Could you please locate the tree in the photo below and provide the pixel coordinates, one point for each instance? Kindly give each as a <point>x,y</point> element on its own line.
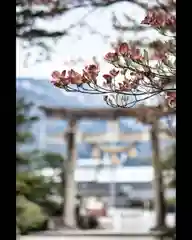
<point>33,190</point>
<point>27,192</point>
<point>137,74</point>
<point>23,122</point>
<point>30,12</point>
<point>58,164</point>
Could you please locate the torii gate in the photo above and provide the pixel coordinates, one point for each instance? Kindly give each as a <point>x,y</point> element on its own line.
<point>149,115</point>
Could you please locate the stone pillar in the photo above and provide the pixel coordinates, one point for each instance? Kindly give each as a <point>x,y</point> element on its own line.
<point>70,185</point>
<point>158,180</point>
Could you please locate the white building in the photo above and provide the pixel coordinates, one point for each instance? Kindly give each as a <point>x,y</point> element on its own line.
<point>94,180</point>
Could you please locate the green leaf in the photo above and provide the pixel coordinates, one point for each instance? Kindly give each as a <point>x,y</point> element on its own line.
<point>170,64</point>
<point>128,62</point>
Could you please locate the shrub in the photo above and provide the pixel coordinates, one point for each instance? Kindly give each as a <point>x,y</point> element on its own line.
<point>29,216</point>
<point>17,230</point>
<point>52,208</point>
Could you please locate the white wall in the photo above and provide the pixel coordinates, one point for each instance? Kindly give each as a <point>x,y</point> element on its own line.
<point>120,174</point>
<point>106,175</point>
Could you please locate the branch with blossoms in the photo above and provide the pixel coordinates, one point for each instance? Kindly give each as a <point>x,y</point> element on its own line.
<point>137,74</point>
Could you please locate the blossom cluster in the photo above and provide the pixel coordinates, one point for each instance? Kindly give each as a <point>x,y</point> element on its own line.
<point>65,78</point>
<point>131,63</point>
<point>159,18</point>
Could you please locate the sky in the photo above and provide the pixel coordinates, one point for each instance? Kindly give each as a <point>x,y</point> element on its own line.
<point>80,43</point>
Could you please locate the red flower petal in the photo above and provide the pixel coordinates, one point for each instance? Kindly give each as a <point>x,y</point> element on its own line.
<point>63,73</point>
<point>114,72</point>
<point>171,95</point>
<point>77,80</point>
<point>53,81</point>
<point>72,73</point>
<point>55,74</point>
<point>92,68</point>
<point>108,78</point>
<point>123,49</point>
<point>111,57</point>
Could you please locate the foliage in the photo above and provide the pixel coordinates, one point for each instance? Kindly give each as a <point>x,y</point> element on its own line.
<point>39,191</point>
<point>29,12</point>
<point>29,216</point>
<point>33,190</point>
<point>23,121</point>
<point>137,74</point>
<point>53,160</point>
<point>33,187</point>
<point>53,207</point>
<point>32,16</point>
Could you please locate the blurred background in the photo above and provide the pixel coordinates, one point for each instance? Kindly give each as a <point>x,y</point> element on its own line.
<point>57,35</point>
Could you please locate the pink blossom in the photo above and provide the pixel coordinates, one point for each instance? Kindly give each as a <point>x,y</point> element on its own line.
<point>111,57</point>
<point>136,54</point>
<point>75,77</point>
<point>60,79</point>
<point>159,55</point>
<point>114,72</point>
<point>90,73</point>
<point>108,78</point>
<point>123,49</point>
<point>159,18</point>
<point>171,99</point>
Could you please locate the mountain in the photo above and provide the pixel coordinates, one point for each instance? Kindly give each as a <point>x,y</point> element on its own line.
<point>43,93</point>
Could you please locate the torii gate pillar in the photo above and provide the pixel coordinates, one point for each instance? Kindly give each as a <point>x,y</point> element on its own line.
<point>158,179</point>
<point>70,185</point>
